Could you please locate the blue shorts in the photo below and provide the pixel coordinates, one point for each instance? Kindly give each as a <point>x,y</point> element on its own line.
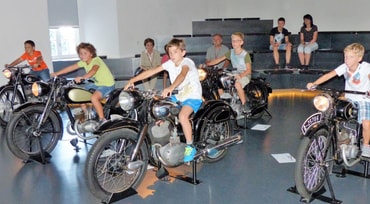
<point>363,110</point>
<point>281,47</point>
<point>104,90</point>
<point>193,103</point>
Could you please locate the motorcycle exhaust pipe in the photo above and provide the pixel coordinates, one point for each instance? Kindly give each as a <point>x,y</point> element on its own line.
<point>134,165</point>
<point>343,148</point>
<point>222,145</point>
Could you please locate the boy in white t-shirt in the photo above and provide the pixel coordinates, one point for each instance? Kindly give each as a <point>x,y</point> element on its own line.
<point>184,76</point>
<point>357,78</point>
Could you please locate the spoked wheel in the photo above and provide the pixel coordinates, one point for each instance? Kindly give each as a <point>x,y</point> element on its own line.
<point>216,132</point>
<point>314,156</point>
<point>22,134</point>
<point>9,100</point>
<point>107,165</point>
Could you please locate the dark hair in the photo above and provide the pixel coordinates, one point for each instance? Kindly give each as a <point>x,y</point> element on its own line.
<point>30,42</point>
<point>165,49</point>
<point>281,19</point>
<point>217,34</point>
<point>88,47</point>
<point>309,17</point>
<point>148,40</point>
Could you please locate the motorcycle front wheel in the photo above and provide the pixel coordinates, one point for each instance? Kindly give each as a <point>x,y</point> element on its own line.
<point>22,134</point>
<point>216,132</point>
<point>313,159</point>
<point>8,104</point>
<point>106,167</point>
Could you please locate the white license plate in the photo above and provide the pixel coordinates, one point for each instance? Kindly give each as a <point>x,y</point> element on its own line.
<point>310,121</point>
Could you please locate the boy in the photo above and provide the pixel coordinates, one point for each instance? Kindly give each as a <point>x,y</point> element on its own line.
<point>241,60</point>
<point>279,40</point>
<point>357,78</point>
<point>183,76</point>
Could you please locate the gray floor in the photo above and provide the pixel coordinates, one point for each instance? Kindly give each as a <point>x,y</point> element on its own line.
<point>248,174</point>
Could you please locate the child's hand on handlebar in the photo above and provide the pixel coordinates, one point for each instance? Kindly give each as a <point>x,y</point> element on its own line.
<point>311,86</point>
<point>167,92</point>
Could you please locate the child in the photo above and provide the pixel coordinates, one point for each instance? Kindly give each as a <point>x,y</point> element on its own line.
<point>279,40</point>
<point>357,78</point>
<point>34,59</point>
<point>241,60</point>
<point>95,68</point>
<point>183,76</point>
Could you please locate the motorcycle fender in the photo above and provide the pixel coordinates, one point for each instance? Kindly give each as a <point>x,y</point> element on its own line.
<point>215,110</point>
<point>115,124</point>
<point>310,132</point>
<point>25,105</point>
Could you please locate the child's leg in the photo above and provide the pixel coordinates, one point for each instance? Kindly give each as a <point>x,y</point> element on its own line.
<point>240,91</point>
<point>95,100</point>
<point>185,123</point>
<point>366,132</point>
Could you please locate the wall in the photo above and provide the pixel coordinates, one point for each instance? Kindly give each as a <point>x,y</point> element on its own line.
<point>20,21</point>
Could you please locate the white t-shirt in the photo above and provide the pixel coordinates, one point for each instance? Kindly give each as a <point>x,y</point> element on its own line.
<point>190,88</point>
<point>357,81</point>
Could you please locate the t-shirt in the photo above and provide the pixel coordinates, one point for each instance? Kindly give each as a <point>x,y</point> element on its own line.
<point>103,77</point>
<point>279,36</point>
<point>190,88</point>
<point>357,81</point>
<point>32,60</point>
<point>308,35</point>
<point>239,61</point>
<point>213,53</point>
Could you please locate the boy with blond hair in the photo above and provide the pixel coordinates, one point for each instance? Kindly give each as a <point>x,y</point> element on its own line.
<point>357,78</point>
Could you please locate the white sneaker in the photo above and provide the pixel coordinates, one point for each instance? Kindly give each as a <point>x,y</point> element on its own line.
<point>365,151</point>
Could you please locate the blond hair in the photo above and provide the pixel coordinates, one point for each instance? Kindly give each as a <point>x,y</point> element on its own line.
<point>356,48</point>
<point>239,34</point>
<point>176,43</point>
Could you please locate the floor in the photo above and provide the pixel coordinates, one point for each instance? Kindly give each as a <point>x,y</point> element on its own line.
<point>248,174</point>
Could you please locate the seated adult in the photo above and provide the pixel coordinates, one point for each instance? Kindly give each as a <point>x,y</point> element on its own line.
<point>279,40</point>
<point>217,50</point>
<point>308,36</point>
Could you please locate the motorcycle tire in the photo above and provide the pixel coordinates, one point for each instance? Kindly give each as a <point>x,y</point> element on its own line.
<point>6,107</point>
<point>19,132</point>
<point>106,168</point>
<point>257,99</point>
<point>313,155</point>
<point>216,132</point>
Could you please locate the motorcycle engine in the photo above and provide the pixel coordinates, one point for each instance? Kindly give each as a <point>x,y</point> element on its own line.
<point>166,145</point>
<point>347,138</point>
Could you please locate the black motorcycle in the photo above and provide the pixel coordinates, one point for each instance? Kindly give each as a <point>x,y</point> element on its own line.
<point>118,160</point>
<point>16,92</point>
<point>332,136</point>
<point>36,127</point>
<point>256,92</point>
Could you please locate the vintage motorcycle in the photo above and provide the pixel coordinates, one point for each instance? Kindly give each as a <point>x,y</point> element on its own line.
<point>36,127</point>
<point>332,136</point>
<point>16,92</point>
<point>118,160</point>
<point>257,91</point>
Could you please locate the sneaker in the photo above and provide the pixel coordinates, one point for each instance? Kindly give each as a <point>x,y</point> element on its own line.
<point>288,66</point>
<point>276,66</point>
<point>189,153</point>
<point>246,108</point>
<point>365,151</point>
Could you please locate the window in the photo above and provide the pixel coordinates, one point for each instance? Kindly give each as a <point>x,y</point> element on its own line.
<point>63,42</point>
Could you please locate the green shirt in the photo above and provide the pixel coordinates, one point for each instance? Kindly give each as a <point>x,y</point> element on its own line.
<point>103,77</point>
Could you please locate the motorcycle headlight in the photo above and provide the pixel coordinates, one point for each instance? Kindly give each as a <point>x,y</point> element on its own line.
<point>322,102</point>
<point>129,100</point>
<point>40,88</point>
<point>202,74</point>
<point>7,73</point>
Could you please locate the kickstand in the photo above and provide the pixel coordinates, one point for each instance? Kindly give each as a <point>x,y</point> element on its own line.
<point>192,180</point>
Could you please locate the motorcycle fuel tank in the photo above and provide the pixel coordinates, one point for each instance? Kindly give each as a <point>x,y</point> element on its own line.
<point>78,95</point>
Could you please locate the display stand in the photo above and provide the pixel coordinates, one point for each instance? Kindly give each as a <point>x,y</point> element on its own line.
<point>365,174</point>
<point>192,180</point>
<point>43,157</point>
<point>119,196</point>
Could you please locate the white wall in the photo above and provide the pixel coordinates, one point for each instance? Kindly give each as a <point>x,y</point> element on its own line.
<point>20,21</point>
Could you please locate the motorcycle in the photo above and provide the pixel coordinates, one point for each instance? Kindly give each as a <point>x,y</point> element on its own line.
<point>16,92</point>
<point>118,160</point>
<point>332,136</point>
<point>257,91</point>
<point>36,127</point>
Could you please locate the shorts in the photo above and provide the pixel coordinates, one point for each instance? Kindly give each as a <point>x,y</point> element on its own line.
<point>244,80</point>
<point>307,48</point>
<point>193,103</point>
<point>104,90</point>
<point>281,47</point>
<point>363,110</point>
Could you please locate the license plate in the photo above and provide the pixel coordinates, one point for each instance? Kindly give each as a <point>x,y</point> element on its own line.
<point>310,121</point>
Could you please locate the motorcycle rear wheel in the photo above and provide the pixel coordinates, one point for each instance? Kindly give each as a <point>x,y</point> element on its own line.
<point>6,106</point>
<point>314,155</point>
<point>257,98</point>
<point>19,132</point>
<point>216,132</point>
<point>106,167</point>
